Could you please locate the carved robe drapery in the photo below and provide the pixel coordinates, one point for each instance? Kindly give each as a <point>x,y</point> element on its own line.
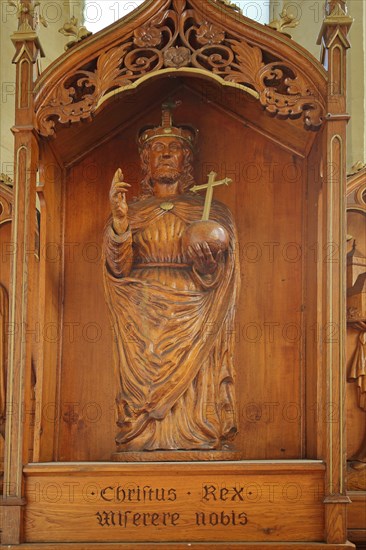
<point>172,326</point>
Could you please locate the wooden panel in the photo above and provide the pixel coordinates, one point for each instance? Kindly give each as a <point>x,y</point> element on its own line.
<point>357,510</point>
<point>317,256</point>
<point>266,200</point>
<point>166,502</point>
<point>49,323</point>
<point>249,110</point>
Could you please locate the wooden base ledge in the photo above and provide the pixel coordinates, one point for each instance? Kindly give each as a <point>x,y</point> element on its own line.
<point>183,546</point>
<point>175,456</point>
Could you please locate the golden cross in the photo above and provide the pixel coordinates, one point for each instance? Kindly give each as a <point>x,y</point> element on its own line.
<point>209,193</point>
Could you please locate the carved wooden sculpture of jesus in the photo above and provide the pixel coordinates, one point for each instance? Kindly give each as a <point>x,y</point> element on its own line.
<point>171,293</point>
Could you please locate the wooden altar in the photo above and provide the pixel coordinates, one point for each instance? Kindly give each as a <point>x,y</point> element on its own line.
<point>271,118</point>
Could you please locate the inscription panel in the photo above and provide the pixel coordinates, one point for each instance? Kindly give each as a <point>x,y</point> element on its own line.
<point>174,502</point>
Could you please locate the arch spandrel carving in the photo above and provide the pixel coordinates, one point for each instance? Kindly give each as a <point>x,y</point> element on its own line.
<point>180,37</point>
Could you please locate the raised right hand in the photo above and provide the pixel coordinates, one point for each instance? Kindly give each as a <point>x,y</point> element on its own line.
<point>119,207</point>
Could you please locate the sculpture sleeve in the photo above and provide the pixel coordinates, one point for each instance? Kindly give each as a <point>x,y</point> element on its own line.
<point>118,252</point>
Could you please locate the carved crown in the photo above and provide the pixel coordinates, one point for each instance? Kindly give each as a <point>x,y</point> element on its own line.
<point>168,129</point>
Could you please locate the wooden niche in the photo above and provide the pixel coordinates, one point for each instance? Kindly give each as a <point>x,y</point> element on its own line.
<point>260,104</point>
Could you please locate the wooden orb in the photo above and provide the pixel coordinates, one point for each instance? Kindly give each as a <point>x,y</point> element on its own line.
<point>208,231</point>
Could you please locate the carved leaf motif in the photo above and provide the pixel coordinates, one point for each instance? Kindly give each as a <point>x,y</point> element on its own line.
<point>179,5</point>
<point>56,109</point>
<point>108,73</point>
<point>73,102</point>
<point>288,97</point>
<point>249,60</point>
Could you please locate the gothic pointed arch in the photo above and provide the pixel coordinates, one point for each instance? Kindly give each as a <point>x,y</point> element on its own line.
<point>182,37</point>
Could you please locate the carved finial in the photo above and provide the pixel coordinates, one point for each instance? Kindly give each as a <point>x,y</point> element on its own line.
<point>231,5</point>
<point>336,23</point>
<point>335,7</point>
<point>72,28</point>
<point>28,14</point>
<point>4,178</point>
<point>285,20</point>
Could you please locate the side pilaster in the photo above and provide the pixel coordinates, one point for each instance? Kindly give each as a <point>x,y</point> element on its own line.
<point>28,49</point>
<point>334,42</point>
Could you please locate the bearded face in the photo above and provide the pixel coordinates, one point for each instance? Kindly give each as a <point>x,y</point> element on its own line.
<point>166,167</point>
<point>166,160</point>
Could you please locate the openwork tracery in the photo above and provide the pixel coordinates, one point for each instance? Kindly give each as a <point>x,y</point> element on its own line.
<point>181,38</point>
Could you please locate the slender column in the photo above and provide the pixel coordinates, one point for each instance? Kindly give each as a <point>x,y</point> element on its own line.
<point>334,42</point>
<point>28,49</point>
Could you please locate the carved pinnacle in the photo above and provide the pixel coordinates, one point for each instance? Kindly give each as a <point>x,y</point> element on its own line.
<point>27,12</point>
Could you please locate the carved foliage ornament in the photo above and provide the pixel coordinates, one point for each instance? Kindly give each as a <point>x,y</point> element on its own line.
<point>178,38</point>
<point>72,28</point>
<point>28,14</point>
<point>284,21</point>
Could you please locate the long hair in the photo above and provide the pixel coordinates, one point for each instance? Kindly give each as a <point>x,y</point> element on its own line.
<point>185,181</point>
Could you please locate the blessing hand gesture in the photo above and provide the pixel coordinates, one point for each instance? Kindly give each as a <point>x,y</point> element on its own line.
<point>119,207</point>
